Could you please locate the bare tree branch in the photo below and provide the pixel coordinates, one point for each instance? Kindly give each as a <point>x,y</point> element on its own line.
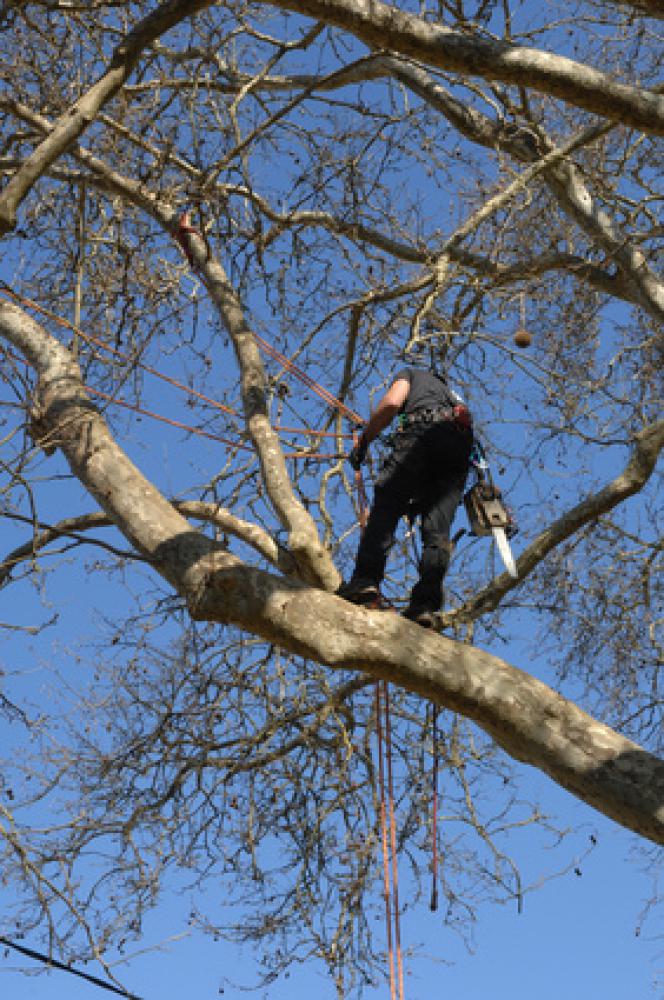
<point>384,26</point>
<point>643,8</point>
<point>199,510</point>
<point>79,116</point>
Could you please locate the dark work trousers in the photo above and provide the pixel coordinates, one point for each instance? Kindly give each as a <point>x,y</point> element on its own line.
<point>424,474</point>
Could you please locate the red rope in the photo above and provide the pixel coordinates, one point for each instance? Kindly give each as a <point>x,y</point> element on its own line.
<point>383,831</point>
<point>311,383</point>
<point>310,456</point>
<point>393,835</point>
<point>97,342</point>
<point>166,420</point>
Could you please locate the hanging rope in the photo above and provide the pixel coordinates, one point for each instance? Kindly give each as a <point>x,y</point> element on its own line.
<point>393,834</point>
<point>384,839</point>
<point>386,798</point>
<point>434,809</point>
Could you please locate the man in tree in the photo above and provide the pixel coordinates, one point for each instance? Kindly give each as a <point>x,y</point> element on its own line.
<point>353,181</point>
<point>424,475</point>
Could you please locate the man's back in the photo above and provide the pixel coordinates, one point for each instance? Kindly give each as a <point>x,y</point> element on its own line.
<point>427,391</point>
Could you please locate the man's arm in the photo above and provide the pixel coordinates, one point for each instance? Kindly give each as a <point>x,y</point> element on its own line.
<point>383,415</point>
<point>387,409</point>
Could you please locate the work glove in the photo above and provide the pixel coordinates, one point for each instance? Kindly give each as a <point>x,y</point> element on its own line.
<point>358,453</point>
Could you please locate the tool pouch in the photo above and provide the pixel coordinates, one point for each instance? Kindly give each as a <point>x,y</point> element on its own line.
<point>461,417</point>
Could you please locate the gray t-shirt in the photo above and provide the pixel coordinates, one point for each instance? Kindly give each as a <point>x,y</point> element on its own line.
<point>427,391</point>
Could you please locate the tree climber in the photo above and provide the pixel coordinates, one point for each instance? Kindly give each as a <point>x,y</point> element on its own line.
<point>424,475</point>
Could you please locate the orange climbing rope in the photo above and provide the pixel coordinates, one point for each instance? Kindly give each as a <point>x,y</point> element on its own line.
<point>166,420</point>
<point>393,834</point>
<point>97,342</point>
<point>115,401</point>
<point>316,387</point>
<point>384,840</point>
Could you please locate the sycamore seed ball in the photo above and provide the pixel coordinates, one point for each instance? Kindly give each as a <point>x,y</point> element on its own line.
<point>522,337</point>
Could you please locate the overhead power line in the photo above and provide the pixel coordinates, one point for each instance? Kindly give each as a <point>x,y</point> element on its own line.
<point>55,964</point>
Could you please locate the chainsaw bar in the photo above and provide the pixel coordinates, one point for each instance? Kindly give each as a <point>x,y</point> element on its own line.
<point>505,551</point>
<point>488,515</point>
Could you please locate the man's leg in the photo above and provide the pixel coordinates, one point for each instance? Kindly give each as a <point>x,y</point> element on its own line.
<point>374,547</point>
<point>391,497</point>
<point>437,513</point>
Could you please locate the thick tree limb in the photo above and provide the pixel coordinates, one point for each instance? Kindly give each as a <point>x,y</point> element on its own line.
<point>314,561</point>
<point>251,534</point>
<point>529,720</point>
<point>384,26</point>
<point>79,116</point>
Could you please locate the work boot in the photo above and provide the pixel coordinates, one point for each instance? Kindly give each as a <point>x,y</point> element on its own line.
<point>421,616</point>
<point>359,591</point>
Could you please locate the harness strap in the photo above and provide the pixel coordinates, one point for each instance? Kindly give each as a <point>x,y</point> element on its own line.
<point>459,415</point>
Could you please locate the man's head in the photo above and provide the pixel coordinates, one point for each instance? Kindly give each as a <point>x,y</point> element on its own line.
<point>427,354</point>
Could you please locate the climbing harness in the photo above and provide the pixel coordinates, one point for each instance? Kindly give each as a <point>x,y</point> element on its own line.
<point>459,415</point>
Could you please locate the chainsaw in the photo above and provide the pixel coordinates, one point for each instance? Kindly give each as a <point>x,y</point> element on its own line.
<point>488,515</point>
